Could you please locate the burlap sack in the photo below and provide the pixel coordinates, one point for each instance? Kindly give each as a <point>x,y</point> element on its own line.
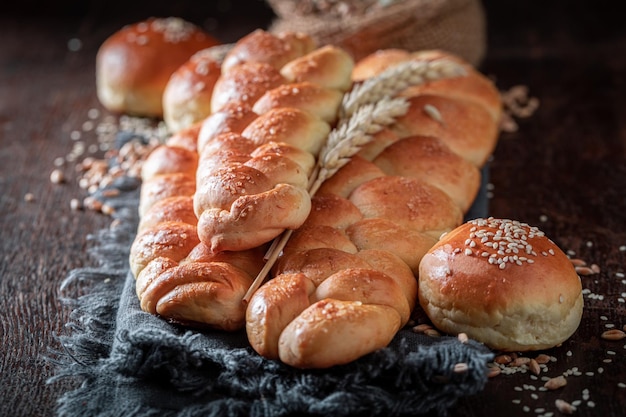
<point>365,26</point>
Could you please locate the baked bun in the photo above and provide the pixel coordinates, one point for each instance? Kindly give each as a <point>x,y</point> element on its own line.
<point>134,64</point>
<point>503,283</point>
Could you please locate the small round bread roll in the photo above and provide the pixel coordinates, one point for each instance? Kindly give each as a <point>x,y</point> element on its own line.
<point>134,64</point>
<point>503,283</point>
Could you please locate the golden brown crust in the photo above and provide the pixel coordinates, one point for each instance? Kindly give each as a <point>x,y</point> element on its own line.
<point>359,284</point>
<point>173,242</point>
<point>307,96</point>
<point>328,67</point>
<point>317,264</point>
<point>291,126</point>
<point>408,202</point>
<point>260,46</point>
<point>464,126</point>
<point>188,92</point>
<point>245,83</point>
<point>186,138</point>
<point>377,62</point>
<point>174,209</point>
<point>356,172</point>
<point>472,86</point>
<point>282,300</point>
<point>135,63</point>
<point>234,117</point>
<point>358,329</point>
<point>384,234</point>
<point>319,236</point>
<point>245,200</point>
<point>437,165</point>
<point>166,159</point>
<point>183,292</point>
<point>503,283</point>
<point>164,186</point>
<point>332,210</point>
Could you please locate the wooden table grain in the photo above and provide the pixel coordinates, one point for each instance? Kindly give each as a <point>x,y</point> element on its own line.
<point>563,170</point>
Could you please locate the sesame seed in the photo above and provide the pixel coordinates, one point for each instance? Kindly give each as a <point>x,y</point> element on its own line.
<point>57,177</point>
<point>506,237</point>
<point>74,44</point>
<point>93,113</point>
<point>75,204</point>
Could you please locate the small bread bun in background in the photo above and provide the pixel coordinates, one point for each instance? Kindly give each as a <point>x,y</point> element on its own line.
<point>134,64</point>
<point>503,283</point>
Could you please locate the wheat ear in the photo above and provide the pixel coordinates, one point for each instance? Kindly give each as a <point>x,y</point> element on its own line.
<point>395,79</point>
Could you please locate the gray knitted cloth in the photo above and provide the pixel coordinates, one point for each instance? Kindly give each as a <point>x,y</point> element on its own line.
<point>129,363</point>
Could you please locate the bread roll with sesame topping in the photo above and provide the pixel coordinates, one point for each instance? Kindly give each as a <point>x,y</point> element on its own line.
<point>134,65</point>
<point>503,283</point>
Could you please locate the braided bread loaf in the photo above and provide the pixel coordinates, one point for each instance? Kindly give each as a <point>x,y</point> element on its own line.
<point>221,188</point>
<point>346,281</point>
<point>256,187</point>
<point>176,276</point>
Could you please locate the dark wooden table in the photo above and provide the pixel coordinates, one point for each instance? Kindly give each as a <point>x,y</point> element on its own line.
<point>564,170</point>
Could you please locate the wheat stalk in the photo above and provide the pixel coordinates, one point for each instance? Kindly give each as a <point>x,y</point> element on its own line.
<point>348,139</point>
<point>395,79</point>
<point>365,111</point>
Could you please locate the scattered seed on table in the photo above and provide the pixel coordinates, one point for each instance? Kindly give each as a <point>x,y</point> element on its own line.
<point>556,383</point>
<point>564,407</point>
<point>57,177</point>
